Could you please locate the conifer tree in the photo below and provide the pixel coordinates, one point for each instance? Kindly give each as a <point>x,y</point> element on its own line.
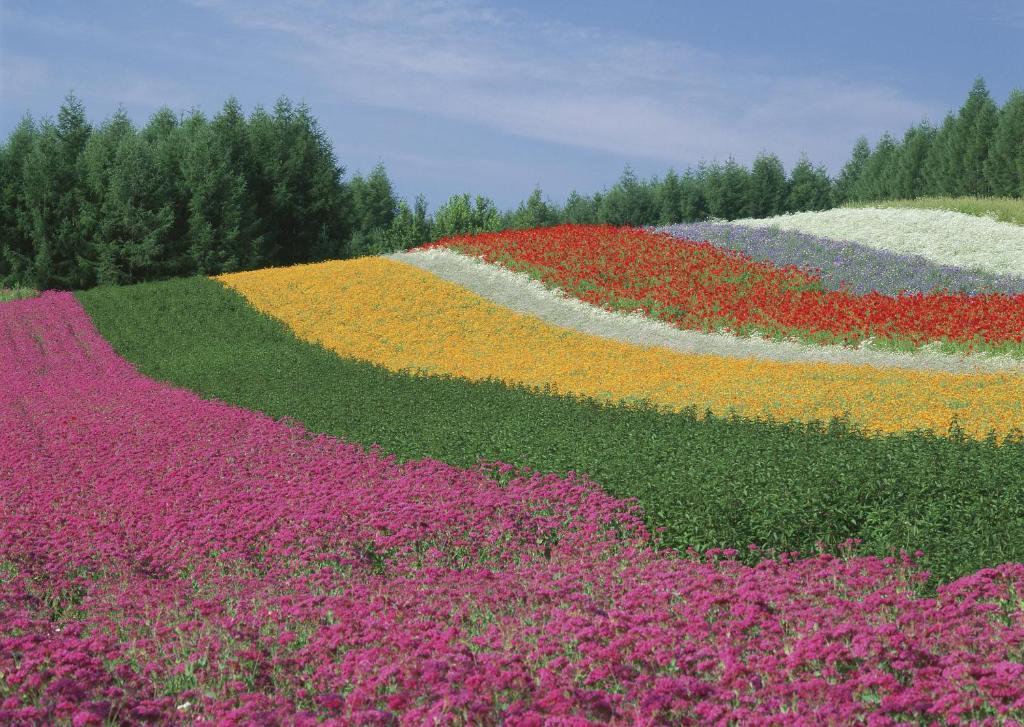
<point>630,201</point>
<point>847,189</point>
<point>460,215</point>
<point>878,179</point>
<point>978,120</point>
<point>909,180</point>
<point>728,190</point>
<point>166,142</point>
<point>938,165</point>
<point>579,209</point>
<point>52,200</point>
<point>534,212</point>
<point>767,186</point>
<point>1005,160</point>
<point>693,206</point>
<point>668,198</point>
<point>809,187</point>
<point>15,242</point>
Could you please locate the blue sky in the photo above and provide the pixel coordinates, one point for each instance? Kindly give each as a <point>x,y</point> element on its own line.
<point>496,97</point>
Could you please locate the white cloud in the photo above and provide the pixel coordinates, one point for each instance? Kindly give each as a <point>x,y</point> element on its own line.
<point>21,76</point>
<point>574,85</point>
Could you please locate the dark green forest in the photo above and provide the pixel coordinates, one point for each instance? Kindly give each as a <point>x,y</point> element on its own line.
<point>84,205</point>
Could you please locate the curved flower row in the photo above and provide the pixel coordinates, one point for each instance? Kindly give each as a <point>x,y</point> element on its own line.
<point>699,286</point>
<point>524,294</point>
<point>168,559</point>
<point>847,265</point>
<point>403,318</point>
<point>943,236</point>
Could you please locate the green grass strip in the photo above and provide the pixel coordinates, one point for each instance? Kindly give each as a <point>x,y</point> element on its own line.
<point>708,481</point>
<point>17,293</point>
<point>1004,209</point>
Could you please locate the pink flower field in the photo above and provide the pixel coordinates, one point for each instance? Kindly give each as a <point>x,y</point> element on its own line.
<point>166,559</point>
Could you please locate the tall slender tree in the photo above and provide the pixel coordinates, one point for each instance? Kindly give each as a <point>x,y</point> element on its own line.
<point>847,189</point>
<point>809,187</point>
<point>938,166</point>
<point>1005,160</point>
<point>668,198</point>
<point>909,177</point>
<point>768,186</point>
<point>52,179</point>
<point>728,190</point>
<point>968,145</point>
<point>15,241</point>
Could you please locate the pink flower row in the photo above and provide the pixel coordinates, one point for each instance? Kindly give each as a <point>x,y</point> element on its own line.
<point>165,558</point>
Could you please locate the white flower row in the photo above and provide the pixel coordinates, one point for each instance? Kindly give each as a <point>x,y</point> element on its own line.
<point>946,237</point>
<point>523,294</point>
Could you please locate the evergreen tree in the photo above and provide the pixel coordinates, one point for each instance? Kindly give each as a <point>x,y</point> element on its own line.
<point>878,178</point>
<point>295,181</point>
<point>166,141</point>
<point>461,216</point>
<point>976,126</point>
<point>728,190</point>
<point>629,202</point>
<point>1005,159</point>
<point>938,165</point>
<point>809,188</point>
<point>99,162</point>
<point>534,212</point>
<point>136,222</point>
<point>909,179</point>
<point>847,189</point>
<point>693,205</point>
<point>52,200</point>
<point>668,197</point>
<point>579,210</point>
<point>15,243</point>
<point>219,210</point>
<point>767,186</point>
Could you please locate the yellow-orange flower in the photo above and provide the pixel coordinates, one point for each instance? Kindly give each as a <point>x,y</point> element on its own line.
<point>404,318</point>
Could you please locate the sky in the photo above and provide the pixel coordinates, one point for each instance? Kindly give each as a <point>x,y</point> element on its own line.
<point>497,98</point>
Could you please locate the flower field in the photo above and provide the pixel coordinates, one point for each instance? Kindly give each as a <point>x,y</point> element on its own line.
<point>518,478</point>
<point>844,264</point>
<point>700,286</point>
<point>428,325</point>
<point>943,236</point>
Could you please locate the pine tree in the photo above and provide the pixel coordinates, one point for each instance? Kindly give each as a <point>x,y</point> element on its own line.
<point>52,200</point>
<point>668,198</point>
<point>1006,155</point>
<point>767,186</point>
<point>99,159</point>
<point>847,189</point>
<point>166,141</point>
<point>909,181</point>
<point>629,202</point>
<point>15,243</point>
<point>809,187</point>
<point>579,209</point>
<point>728,190</point>
<point>461,216</point>
<point>534,212</point>
<point>937,170</point>
<point>978,120</point>
<point>693,204</point>
<point>878,178</point>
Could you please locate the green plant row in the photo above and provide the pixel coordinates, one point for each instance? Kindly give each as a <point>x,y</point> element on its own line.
<point>708,481</point>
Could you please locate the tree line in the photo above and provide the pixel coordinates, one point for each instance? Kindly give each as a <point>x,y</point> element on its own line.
<point>84,205</point>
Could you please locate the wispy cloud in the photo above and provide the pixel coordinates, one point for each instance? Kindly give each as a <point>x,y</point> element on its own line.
<point>20,75</point>
<point>574,85</point>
